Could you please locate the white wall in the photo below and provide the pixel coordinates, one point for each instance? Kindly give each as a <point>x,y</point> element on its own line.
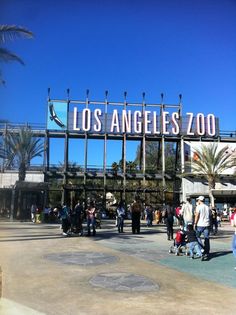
<point>9,178</point>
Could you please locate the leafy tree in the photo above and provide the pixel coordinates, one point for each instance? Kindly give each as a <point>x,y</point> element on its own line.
<point>18,148</point>
<point>154,153</point>
<point>211,162</point>
<point>11,32</point>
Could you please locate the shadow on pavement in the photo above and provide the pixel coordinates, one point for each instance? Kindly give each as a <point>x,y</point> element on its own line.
<point>219,254</point>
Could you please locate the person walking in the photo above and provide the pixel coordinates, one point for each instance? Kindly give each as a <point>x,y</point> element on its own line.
<point>214,223</point>
<point>179,214</point>
<point>78,211</point>
<point>120,217</point>
<point>64,214</point>
<point>202,225</point>
<point>136,210</point>
<point>169,221</point>
<point>33,211</point>
<point>187,212</point>
<point>91,221</point>
<point>149,215</point>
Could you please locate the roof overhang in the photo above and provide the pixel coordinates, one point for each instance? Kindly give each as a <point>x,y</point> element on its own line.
<point>224,192</point>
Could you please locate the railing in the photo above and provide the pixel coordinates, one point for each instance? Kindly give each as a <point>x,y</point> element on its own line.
<point>94,169</point>
<point>40,128</point>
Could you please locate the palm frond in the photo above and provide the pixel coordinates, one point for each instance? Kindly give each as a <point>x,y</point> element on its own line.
<point>212,161</point>
<point>20,148</point>
<point>6,56</point>
<point>11,32</point>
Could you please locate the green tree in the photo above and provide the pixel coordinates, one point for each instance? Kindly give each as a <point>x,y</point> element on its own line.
<point>11,32</point>
<point>154,154</point>
<point>211,162</point>
<point>18,148</point>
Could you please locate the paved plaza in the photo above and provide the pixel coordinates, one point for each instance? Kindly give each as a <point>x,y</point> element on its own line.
<point>112,273</point>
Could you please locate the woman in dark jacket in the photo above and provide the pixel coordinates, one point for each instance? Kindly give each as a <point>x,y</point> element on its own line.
<point>169,221</point>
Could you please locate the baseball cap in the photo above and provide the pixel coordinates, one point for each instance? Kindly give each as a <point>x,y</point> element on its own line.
<point>201,198</point>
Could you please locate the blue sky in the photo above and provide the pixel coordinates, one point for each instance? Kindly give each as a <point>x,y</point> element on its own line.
<point>162,46</point>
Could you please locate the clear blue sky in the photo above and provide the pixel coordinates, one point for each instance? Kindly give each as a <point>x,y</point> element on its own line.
<point>169,46</point>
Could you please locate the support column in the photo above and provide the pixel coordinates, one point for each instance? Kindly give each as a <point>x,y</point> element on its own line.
<point>163,168</point>
<point>124,153</point>
<point>183,197</point>
<point>105,153</point>
<point>66,149</point>
<point>86,151</point>
<point>144,144</point>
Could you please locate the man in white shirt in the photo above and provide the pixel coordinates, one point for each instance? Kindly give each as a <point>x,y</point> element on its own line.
<point>202,225</point>
<point>187,212</point>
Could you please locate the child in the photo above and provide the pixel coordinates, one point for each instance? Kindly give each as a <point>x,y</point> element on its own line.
<point>192,241</point>
<point>179,241</point>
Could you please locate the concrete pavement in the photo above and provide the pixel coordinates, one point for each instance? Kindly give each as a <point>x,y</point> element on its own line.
<point>45,273</point>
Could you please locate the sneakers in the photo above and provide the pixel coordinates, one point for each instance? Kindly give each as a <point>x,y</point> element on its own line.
<point>65,234</point>
<point>205,257</point>
<point>198,256</point>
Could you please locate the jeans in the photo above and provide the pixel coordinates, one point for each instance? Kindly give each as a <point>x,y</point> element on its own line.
<point>194,246</point>
<point>234,245</point>
<point>149,220</point>
<point>65,223</point>
<point>136,222</point>
<point>170,230</point>
<point>205,231</point>
<point>91,221</point>
<point>214,224</point>
<point>120,223</point>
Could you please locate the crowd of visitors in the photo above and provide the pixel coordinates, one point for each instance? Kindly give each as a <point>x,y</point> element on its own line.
<point>196,223</point>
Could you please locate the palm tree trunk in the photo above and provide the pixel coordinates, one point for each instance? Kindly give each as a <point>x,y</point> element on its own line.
<point>211,186</point>
<point>22,171</point>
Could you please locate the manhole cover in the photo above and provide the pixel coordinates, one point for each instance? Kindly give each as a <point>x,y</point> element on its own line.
<point>124,282</point>
<point>83,258</point>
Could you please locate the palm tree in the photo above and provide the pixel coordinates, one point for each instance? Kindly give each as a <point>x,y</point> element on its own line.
<point>211,162</point>
<point>19,148</point>
<point>11,32</point>
<point>131,166</point>
<point>115,168</point>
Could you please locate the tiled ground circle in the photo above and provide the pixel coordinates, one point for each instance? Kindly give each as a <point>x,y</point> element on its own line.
<point>82,258</point>
<point>127,282</point>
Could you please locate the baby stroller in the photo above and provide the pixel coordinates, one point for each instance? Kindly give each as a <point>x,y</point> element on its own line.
<point>179,246</point>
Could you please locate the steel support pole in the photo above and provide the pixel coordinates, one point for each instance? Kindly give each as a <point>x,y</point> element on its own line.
<point>66,149</point>
<point>144,146</point>
<point>163,167</point>
<point>183,197</point>
<point>105,153</point>
<point>124,152</point>
<point>86,151</point>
